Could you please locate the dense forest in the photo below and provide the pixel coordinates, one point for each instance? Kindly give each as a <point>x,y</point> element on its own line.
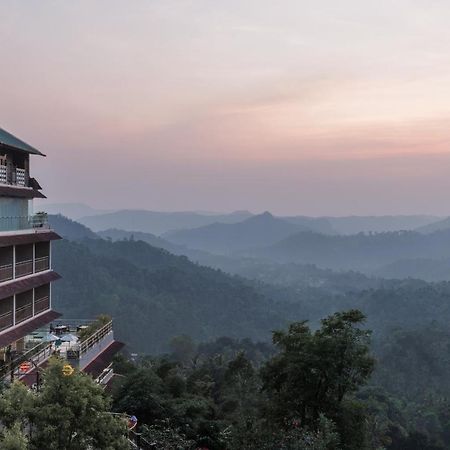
<point>211,371</point>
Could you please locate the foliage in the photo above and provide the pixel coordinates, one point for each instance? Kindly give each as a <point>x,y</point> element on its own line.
<point>69,412</point>
<point>301,398</point>
<point>98,323</point>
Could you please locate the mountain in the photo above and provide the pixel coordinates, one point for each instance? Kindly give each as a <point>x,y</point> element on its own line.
<point>361,252</point>
<point>224,238</point>
<point>69,229</point>
<point>158,222</point>
<point>71,210</point>
<point>378,224</point>
<point>154,295</point>
<point>439,225</point>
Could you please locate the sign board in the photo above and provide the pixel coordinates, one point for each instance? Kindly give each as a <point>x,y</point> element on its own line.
<point>67,370</point>
<point>25,367</point>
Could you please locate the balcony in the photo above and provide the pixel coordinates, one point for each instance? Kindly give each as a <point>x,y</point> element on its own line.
<point>15,176</point>
<point>6,272</point>
<point>37,221</point>
<point>41,304</point>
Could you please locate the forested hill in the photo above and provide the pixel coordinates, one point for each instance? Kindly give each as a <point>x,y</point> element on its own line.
<point>70,229</point>
<point>154,295</point>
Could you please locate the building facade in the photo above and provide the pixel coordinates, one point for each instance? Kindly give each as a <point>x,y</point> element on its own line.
<point>26,278</point>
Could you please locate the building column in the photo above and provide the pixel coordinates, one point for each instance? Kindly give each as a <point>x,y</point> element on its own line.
<point>14,310</point>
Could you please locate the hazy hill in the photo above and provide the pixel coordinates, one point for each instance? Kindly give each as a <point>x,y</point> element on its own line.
<point>263,229</point>
<point>439,225</point>
<point>154,295</point>
<point>378,224</point>
<point>158,222</point>
<point>361,252</point>
<point>69,229</point>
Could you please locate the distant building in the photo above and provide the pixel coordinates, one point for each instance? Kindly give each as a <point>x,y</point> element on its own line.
<point>26,276</point>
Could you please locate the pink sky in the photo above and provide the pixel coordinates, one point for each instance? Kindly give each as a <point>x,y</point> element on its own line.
<point>299,107</point>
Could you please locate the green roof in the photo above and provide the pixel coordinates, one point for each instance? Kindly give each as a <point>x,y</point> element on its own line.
<point>11,141</point>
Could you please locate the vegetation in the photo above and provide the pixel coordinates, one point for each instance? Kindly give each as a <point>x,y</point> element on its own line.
<point>69,412</point>
<point>301,397</point>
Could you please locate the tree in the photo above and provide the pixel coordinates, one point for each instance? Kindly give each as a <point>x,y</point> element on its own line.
<point>314,371</point>
<point>70,412</point>
<point>14,439</point>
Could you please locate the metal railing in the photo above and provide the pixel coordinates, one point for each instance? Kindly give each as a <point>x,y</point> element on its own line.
<point>6,320</point>
<point>34,353</point>
<point>105,376</point>
<point>41,264</point>
<point>6,272</point>
<point>95,338</point>
<point>24,268</point>
<point>24,222</point>
<point>24,312</point>
<point>41,304</point>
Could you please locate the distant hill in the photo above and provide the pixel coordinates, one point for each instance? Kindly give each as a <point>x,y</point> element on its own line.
<point>361,252</point>
<point>69,229</point>
<point>158,222</point>
<point>153,295</point>
<point>378,224</point>
<point>222,238</point>
<point>439,225</point>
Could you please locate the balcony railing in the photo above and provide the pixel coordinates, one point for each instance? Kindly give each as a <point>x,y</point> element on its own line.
<point>24,268</point>
<point>13,176</point>
<point>6,272</point>
<point>6,320</point>
<point>95,338</point>
<point>3,174</point>
<point>20,177</point>
<point>41,304</point>
<point>24,312</point>
<point>23,222</point>
<point>41,264</point>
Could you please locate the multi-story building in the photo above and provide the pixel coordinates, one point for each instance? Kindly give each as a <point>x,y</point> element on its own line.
<point>26,278</point>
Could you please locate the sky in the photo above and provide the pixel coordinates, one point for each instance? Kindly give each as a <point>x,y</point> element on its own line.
<point>293,106</point>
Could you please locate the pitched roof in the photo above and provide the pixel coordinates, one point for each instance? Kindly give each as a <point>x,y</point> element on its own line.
<point>9,140</point>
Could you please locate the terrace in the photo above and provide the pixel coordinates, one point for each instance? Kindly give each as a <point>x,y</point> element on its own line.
<point>80,342</point>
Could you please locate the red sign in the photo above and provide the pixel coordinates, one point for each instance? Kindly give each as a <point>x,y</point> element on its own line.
<point>25,367</point>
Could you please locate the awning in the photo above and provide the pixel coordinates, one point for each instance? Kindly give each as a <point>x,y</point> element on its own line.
<point>7,190</point>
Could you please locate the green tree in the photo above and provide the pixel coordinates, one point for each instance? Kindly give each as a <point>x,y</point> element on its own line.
<point>14,439</point>
<point>315,371</point>
<point>72,412</point>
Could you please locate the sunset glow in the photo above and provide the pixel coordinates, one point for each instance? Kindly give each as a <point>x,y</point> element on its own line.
<point>233,105</point>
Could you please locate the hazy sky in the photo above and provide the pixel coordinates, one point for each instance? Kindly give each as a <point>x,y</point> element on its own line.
<point>310,107</point>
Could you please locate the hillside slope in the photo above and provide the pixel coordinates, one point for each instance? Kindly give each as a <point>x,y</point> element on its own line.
<point>154,295</point>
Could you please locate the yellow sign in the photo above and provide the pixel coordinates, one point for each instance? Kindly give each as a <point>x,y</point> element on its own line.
<point>67,370</point>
